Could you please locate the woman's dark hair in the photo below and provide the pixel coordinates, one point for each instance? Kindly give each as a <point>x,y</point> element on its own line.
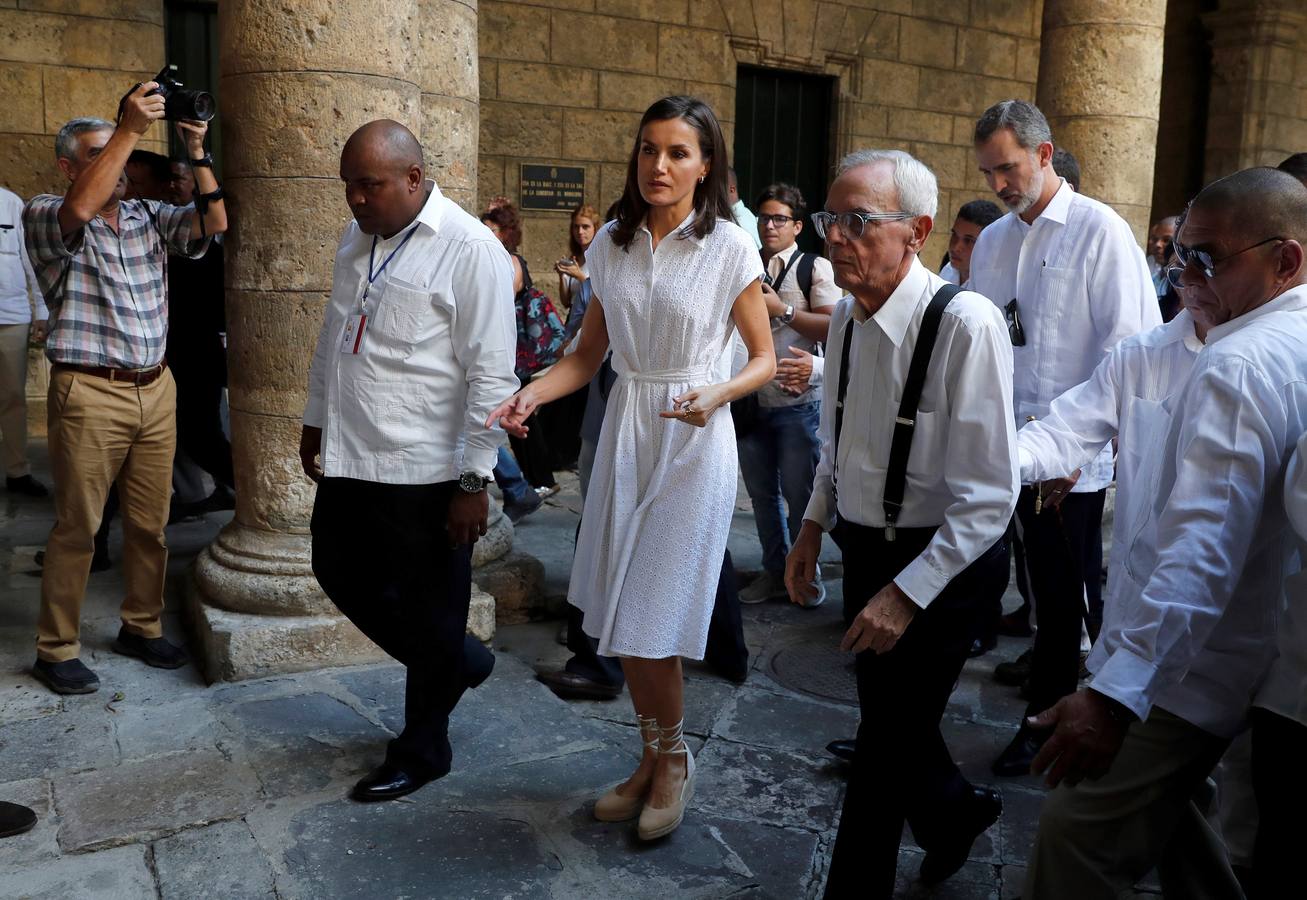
<point>710,198</point>
<point>786,194</point>
<point>509,222</point>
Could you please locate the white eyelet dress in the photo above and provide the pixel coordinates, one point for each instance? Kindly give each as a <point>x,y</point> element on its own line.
<point>662,492</point>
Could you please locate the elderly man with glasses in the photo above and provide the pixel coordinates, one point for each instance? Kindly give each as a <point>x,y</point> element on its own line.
<point>917,481</point>
<point>1176,668</point>
<point>1072,283</point>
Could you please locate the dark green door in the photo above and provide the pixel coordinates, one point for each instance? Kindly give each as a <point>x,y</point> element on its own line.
<point>191,36</point>
<point>783,133</point>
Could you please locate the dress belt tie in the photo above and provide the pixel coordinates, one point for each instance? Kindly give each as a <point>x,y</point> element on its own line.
<point>667,376</point>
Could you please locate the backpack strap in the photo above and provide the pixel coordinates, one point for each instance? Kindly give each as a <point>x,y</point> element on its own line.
<point>905,422</point>
<point>803,274</point>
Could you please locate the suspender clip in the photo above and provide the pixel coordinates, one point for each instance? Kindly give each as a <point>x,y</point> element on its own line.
<point>889,533</point>
<point>902,421</point>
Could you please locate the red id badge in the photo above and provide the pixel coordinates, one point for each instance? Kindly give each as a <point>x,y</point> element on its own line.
<point>351,341</point>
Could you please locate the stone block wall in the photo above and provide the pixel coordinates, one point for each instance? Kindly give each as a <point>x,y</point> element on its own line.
<point>65,58</point>
<point>565,81</point>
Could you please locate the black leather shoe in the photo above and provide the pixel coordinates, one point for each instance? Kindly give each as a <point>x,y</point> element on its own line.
<point>1016,758</point>
<point>950,854</point>
<point>158,652</point>
<point>843,750</point>
<point>731,671</point>
<point>15,819</point>
<point>982,645</point>
<point>68,677</point>
<point>27,486</point>
<point>386,782</point>
<point>1015,671</point>
<point>571,686</point>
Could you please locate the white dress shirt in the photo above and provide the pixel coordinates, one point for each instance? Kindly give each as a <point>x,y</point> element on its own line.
<point>823,295</point>
<point>1285,689</point>
<point>436,358</point>
<point>1081,286</point>
<point>950,273</point>
<point>1214,550</point>
<point>19,290</point>
<point>962,469</point>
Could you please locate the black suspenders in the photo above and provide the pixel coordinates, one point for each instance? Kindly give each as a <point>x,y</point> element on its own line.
<point>896,474</point>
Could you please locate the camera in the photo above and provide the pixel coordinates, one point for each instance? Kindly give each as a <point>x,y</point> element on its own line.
<point>180,103</point>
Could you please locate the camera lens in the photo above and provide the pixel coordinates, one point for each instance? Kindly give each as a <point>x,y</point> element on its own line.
<point>196,105</point>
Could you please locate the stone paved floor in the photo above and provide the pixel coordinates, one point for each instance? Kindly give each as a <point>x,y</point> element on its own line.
<point>161,786</point>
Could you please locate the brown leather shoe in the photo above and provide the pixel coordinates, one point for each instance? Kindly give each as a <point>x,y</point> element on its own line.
<point>571,686</point>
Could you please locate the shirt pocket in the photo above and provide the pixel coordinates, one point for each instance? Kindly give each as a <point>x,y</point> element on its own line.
<point>387,416</point>
<point>926,455</point>
<point>403,318</point>
<point>1063,315</point>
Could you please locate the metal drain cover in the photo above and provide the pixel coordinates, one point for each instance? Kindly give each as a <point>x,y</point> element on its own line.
<point>818,668</point>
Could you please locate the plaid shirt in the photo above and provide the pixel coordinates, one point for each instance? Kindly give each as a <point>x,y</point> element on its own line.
<point>107,292</point>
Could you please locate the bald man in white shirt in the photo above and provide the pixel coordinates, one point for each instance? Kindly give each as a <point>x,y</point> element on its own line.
<point>1177,667</point>
<point>416,349</point>
<point>1071,281</point>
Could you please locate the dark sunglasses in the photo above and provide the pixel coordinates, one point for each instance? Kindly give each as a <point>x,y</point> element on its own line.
<point>1187,256</point>
<point>1015,329</point>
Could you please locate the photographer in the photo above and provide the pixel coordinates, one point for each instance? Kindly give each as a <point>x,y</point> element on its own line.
<point>101,263</point>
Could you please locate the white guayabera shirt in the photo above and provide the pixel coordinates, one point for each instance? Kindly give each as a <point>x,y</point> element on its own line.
<point>1200,637</point>
<point>436,355</point>
<point>1081,286</point>
<point>1285,689</point>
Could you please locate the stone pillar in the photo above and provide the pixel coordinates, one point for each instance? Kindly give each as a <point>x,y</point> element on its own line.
<point>1252,118</point>
<point>1100,83</point>
<point>296,80</point>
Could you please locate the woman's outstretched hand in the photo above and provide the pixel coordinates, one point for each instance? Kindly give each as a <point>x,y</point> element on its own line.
<point>696,406</point>
<point>511,415</point>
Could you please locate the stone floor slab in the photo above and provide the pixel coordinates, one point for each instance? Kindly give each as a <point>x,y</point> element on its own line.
<point>39,844</point>
<point>222,859</point>
<point>81,737</point>
<point>784,721</point>
<point>151,798</point>
<point>301,744</point>
<point>119,874</point>
<point>774,787</point>
<point>345,849</point>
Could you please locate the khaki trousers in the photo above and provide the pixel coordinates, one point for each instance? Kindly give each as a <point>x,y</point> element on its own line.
<point>1097,839</point>
<point>104,431</point>
<point>13,399</point>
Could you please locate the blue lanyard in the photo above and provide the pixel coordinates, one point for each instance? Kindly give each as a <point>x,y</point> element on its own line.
<point>374,275</point>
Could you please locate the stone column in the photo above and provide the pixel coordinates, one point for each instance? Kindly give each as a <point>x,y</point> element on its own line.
<point>296,80</point>
<point>1100,84</point>
<point>1252,119</point>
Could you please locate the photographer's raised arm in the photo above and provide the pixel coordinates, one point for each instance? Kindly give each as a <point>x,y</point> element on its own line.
<point>95,185</point>
<point>215,211</point>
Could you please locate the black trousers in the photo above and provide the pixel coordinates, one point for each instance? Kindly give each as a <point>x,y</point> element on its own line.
<point>199,415</point>
<point>1280,783</point>
<point>381,553</point>
<point>532,453</point>
<point>1064,558</point>
<point>903,770</point>
<point>726,650</point>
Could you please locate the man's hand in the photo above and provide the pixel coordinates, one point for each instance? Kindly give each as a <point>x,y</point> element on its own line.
<point>40,331</point>
<point>775,305</point>
<point>1056,490</point>
<point>881,623</point>
<point>467,516</point>
<point>192,135</point>
<point>140,111</point>
<point>310,448</point>
<point>795,374</point>
<point>801,564</point>
<point>1086,739</point>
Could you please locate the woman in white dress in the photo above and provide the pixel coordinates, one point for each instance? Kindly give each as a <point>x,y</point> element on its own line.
<point>672,278</point>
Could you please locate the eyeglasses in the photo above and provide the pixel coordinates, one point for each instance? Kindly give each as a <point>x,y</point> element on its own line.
<point>776,221</point>
<point>1188,256</point>
<point>852,223</point>
<point>1014,328</point>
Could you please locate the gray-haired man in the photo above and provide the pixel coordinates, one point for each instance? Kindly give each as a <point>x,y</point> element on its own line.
<point>1071,281</point>
<point>916,482</point>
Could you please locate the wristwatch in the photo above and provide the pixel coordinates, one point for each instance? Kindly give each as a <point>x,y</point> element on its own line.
<point>204,162</point>
<point>472,483</point>
<point>788,316</point>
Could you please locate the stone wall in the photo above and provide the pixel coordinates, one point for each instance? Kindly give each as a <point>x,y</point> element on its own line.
<point>565,81</point>
<point>65,58</point>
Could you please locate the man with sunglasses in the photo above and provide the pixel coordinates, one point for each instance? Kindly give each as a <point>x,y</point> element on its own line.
<point>1072,283</point>
<point>1176,668</point>
<point>917,482</point>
